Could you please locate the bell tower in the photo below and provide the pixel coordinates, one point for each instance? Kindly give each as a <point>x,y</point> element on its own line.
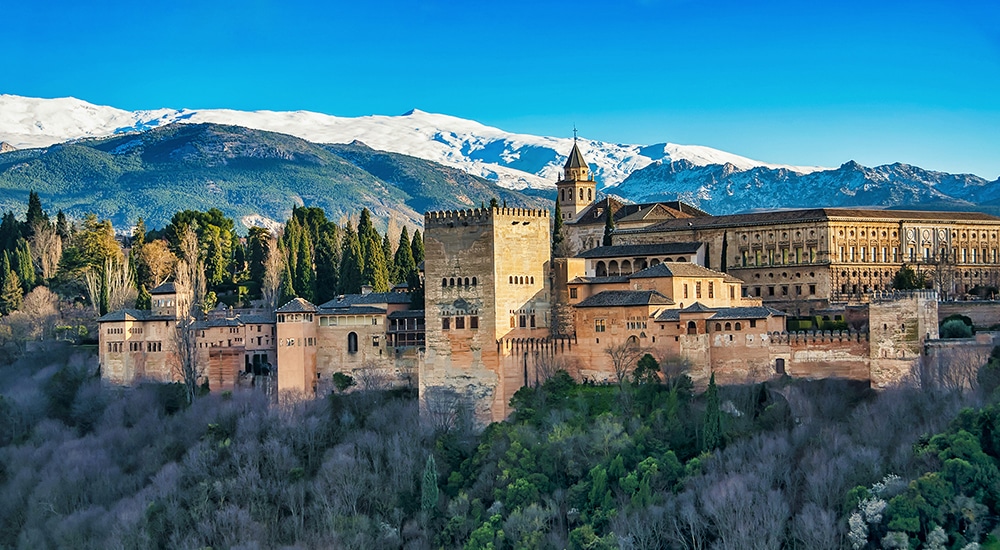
<point>576,189</point>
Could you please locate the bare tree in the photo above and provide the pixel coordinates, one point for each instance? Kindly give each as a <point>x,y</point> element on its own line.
<point>190,283</point>
<point>274,263</point>
<point>441,407</point>
<point>624,357</point>
<point>373,376</point>
<point>46,248</point>
<point>118,276</point>
<point>952,369</point>
<point>159,262</point>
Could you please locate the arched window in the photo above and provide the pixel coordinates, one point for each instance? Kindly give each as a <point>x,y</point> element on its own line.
<point>444,282</point>
<point>532,281</point>
<point>739,326</point>
<point>602,270</point>
<point>613,268</point>
<point>520,280</point>
<point>474,281</point>
<point>654,262</point>
<point>352,342</point>
<point>692,327</point>
<point>590,194</point>
<point>718,327</point>
<point>729,326</point>
<point>626,267</point>
<point>451,282</point>
<point>510,279</point>
<point>581,193</point>
<point>466,281</point>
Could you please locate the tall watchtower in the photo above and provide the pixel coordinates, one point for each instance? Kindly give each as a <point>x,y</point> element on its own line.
<point>577,188</point>
<point>486,279</point>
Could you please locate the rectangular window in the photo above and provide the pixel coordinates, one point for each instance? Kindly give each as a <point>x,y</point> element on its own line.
<point>374,341</point>
<point>474,322</point>
<point>598,325</point>
<point>770,291</point>
<point>732,292</point>
<point>756,291</point>
<point>798,255</point>
<point>798,290</point>
<point>459,323</point>
<point>685,291</point>
<point>784,291</point>
<point>697,290</point>
<point>513,323</point>
<point>753,323</point>
<point>572,292</point>
<point>711,289</point>
<point>522,321</point>
<point>446,323</point>
<point>532,321</point>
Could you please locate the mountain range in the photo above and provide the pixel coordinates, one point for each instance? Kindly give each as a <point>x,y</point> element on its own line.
<point>714,180</point>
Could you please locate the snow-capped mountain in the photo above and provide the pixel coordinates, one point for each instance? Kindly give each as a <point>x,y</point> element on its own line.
<point>514,161</point>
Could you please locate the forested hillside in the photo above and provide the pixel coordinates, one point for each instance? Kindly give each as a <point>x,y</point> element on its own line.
<point>644,464</point>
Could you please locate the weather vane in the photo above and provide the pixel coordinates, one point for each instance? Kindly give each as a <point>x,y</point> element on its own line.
<point>574,132</point>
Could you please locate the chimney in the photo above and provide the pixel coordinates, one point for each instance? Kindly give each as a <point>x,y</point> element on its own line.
<point>366,289</point>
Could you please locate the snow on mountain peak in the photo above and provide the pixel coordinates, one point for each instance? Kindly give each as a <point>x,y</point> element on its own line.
<point>512,160</point>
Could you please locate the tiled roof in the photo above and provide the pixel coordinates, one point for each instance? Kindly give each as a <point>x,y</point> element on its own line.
<point>721,314</point>
<point>600,280</point>
<point>352,310</point>
<point>165,288</point>
<point>297,305</point>
<point>593,214</point>
<point>634,250</point>
<point>618,298</point>
<point>681,269</point>
<point>810,214</point>
<point>346,300</point>
<point>407,314</point>
<point>124,315</point>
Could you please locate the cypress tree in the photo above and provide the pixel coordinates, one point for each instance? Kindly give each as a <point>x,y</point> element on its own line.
<point>10,232</point>
<point>374,271</point>
<point>144,300</point>
<point>139,234</point>
<point>62,226</point>
<point>257,239</point>
<point>388,259</point>
<point>609,225</point>
<point>557,236</point>
<point>429,486</point>
<point>305,276</point>
<point>11,294</point>
<point>25,268</point>
<point>417,248</point>
<point>287,289</point>
<point>713,417</point>
<point>327,265</point>
<point>494,203</point>
<point>35,214</point>
<point>351,263</point>
<point>403,265</point>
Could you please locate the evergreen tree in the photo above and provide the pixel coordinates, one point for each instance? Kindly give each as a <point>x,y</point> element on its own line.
<point>305,277</point>
<point>10,232</point>
<point>327,264</point>
<point>257,239</point>
<point>712,430</point>
<point>417,248</point>
<point>139,234</point>
<point>351,263</point>
<point>11,294</point>
<point>403,265</point>
<point>35,214</point>
<point>388,259</point>
<point>62,226</point>
<point>494,203</point>
<point>557,232</point>
<point>609,225</point>
<point>24,267</point>
<point>429,486</point>
<point>287,289</point>
<point>144,300</point>
<point>374,271</point>
<point>215,256</point>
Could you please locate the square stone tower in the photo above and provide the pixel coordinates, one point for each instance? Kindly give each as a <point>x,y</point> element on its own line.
<point>486,279</point>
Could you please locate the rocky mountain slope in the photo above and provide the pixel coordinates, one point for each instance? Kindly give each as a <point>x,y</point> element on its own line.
<point>248,174</point>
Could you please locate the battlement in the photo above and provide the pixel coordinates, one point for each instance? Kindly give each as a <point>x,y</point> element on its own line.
<point>479,216</point>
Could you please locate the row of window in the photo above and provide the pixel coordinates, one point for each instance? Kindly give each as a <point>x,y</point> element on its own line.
<point>779,257</point>
<point>711,290</point>
<point>116,331</point>
<point>567,194</point>
<point>446,322</point>
<point>520,280</point>
<point>522,321</point>
<point>783,290</point>
<point>295,317</point>
<point>445,282</point>
<point>348,321</point>
<point>298,342</point>
<point>117,347</point>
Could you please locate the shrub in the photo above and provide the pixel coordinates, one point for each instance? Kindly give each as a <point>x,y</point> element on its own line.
<point>955,328</point>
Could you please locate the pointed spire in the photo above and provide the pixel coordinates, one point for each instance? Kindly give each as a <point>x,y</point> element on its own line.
<point>575,159</point>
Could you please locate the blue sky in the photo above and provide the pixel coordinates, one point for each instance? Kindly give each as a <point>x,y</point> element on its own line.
<point>796,82</point>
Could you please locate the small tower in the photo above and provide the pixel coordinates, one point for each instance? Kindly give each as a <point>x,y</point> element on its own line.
<point>577,188</point>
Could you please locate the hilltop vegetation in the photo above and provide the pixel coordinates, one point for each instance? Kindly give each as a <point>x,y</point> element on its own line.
<point>237,170</point>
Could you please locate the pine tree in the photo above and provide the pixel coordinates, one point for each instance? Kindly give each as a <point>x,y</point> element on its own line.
<point>351,263</point>
<point>609,225</point>
<point>417,248</point>
<point>429,486</point>
<point>557,232</point>
<point>139,234</point>
<point>10,232</point>
<point>11,294</point>
<point>712,430</point>
<point>144,300</point>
